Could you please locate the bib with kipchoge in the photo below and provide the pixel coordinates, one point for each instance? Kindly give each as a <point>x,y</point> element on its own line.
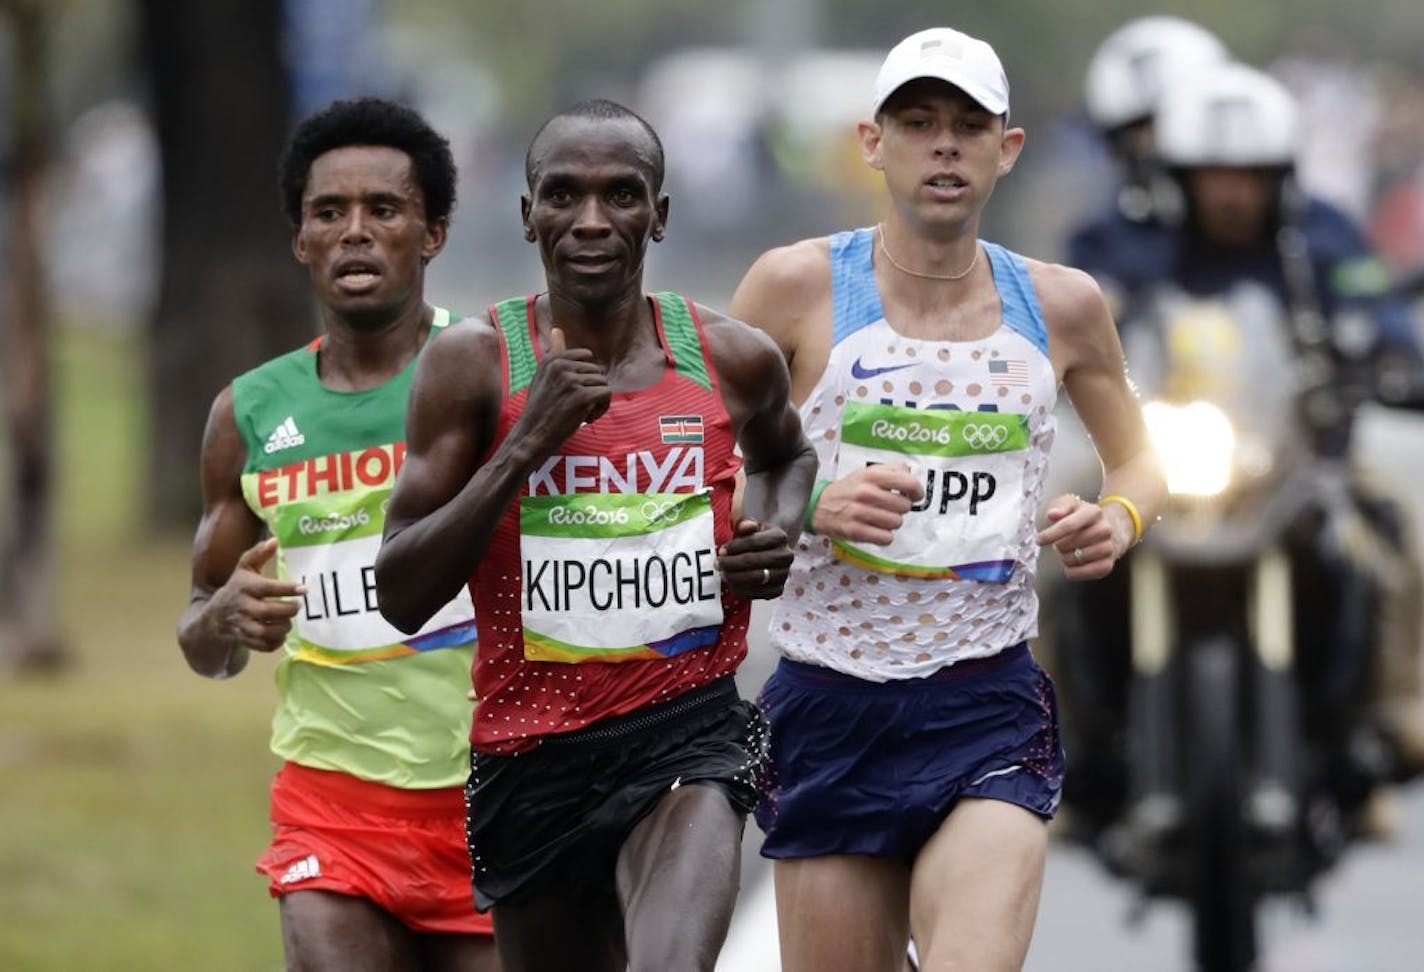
<point>615,577</point>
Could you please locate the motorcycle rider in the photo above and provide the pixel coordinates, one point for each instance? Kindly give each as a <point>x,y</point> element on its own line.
<point>1228,139</point>
<point>1126,77</point>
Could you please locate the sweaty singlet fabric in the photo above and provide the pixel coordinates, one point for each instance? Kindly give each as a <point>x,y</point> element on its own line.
<point>974,421</point>
<point>599,593</point>
<point>356,695</point>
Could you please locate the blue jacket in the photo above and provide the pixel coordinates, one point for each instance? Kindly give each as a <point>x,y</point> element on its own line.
<point>1128,257</point>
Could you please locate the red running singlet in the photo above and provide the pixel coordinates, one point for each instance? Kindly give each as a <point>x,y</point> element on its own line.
<point>599,592</point>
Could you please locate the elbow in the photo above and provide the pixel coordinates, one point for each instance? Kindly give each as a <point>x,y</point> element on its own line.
<point>208,660</point>
<point>398,601</point>
<point>406,619</point>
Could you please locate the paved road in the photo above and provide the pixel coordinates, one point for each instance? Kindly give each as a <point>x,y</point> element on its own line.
<point>1371,908</point>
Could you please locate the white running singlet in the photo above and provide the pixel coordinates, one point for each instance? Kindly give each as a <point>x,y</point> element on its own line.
<point>974,421</point>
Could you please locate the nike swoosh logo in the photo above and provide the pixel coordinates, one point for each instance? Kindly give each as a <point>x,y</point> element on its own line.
<point>858,371</point>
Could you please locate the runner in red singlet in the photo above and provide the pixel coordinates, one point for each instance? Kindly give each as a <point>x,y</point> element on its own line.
<point>585,494</point>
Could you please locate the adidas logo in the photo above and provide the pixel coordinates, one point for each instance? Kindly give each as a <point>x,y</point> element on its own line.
<point>284,436</point>
<point>304,869</point>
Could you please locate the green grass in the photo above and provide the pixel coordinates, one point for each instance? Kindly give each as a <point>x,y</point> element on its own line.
<point>135,793</point>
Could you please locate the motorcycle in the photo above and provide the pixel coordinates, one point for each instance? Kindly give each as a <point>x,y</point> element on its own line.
<point>1219,751</point>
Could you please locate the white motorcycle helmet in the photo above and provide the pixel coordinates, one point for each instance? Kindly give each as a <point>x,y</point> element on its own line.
<point>1228,115</point>
<point>1136,63</point>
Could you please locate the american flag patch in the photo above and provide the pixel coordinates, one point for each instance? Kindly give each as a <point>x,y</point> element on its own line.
<point>1008,372</point>
<point>680,428</point>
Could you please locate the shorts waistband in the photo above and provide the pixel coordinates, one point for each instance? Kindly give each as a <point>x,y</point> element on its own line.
<point>722,691</point>
<point>807,674</point>
<point>343,788</point>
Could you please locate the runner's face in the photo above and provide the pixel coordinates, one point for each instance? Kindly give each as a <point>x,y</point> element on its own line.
<point>940,151</point>
<point>593,208</point>
<point>363,236</point>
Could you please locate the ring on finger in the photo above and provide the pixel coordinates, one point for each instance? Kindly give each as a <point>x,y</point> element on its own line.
<point>1078,554</point>
<point>766,575</point>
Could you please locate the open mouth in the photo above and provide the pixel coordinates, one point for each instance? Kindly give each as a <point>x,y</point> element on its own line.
<point>947,183</point>
<point>357,275</point>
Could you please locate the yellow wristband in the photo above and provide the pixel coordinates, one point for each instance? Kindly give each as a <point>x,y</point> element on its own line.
<point>1131,508</point>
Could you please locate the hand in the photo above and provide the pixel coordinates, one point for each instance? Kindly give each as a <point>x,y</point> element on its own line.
<point>755,562</point>
<point>1083,536</point>
<point>569,389</point>
<point>249,609</point>
<point>869,505</point>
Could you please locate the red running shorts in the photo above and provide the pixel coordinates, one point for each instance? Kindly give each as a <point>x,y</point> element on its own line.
<point>404,850</point>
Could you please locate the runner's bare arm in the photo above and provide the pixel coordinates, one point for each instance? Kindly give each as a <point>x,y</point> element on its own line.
<point>449,495</point>
<point>232,608</point>
<point>780,464</point>
<point>787,294</point>
<point>1088,356</point>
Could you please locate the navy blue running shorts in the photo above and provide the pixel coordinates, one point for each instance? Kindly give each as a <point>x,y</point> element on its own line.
<point>874,768</point>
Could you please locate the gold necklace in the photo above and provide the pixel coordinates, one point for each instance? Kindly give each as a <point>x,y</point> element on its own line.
<point>927,276</point>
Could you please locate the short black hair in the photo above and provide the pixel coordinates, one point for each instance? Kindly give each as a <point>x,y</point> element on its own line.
<point>601,109</point>
<point>370,121</point>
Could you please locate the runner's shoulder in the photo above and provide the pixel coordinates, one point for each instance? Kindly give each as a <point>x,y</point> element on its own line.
<point>797,270</point>
<point>742,354</point>
<point>785,283</point>
<point>465,354</point>
<point>1071,298</point>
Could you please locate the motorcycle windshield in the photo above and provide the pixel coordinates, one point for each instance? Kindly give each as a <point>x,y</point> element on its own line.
<point>1233,350</point>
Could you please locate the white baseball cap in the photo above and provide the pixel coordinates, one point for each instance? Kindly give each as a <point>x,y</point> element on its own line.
<point>940,52</point>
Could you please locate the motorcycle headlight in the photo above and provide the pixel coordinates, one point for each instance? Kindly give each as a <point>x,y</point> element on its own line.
<point>1196,444</point>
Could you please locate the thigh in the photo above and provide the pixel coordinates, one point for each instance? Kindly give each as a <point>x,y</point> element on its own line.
<point>975,886</point>
<point>326,932</point>
<point>842,913</point>
<point>678,874</point>
<point>560,933</point>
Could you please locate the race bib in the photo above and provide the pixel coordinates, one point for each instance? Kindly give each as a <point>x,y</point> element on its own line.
<point>972,469</point>
<point>331,548</point>
<point>614,577</point>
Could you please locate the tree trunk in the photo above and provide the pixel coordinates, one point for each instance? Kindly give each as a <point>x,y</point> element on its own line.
<point>230,294</point>
<point>29,635</point>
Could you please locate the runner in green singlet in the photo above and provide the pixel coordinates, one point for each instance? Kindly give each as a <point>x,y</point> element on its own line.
<point>368,855</point>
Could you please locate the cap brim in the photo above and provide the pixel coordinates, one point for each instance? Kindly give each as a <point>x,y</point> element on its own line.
<point>989,102</point>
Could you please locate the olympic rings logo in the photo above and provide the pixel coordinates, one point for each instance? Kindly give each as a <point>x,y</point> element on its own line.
<point>586,516</point>
<point>985,436</point>
<point>910,432</point>
<point>655,512</point>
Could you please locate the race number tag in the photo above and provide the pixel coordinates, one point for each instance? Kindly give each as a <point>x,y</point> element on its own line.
<point>615,577</point>
<point>330,547</point>
<point>967,523</point>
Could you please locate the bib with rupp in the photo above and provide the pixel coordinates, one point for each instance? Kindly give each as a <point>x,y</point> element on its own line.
<point>971,467</point>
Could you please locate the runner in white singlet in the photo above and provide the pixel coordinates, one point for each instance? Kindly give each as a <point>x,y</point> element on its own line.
<point>915,753</point>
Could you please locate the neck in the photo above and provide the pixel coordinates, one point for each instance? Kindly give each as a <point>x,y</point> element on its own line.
<point>607,328</point>
<point>362,355</point>
<point>921,253</point>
